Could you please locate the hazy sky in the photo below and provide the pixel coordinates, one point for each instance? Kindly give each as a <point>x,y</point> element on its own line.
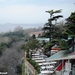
<point>32,11</point>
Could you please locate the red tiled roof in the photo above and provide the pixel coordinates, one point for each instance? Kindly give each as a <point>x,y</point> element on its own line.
<point>73,53</point>
<point>38,32</point>
<point>55,49</point>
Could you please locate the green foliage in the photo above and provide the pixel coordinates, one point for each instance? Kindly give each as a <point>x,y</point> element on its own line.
<point>64,45</point>
<point>50,27</point>
<point>3,69</point>
<point>61,43</point>
<point>2,47</point>
<point>10,34</point>
<point>54,18</point>
<point>48,45</point>
<point>33,36</point>
<point>31,44</point>
<point>70,25</point>
<point>19,69</point>
<point>51,12</point>
<point>14,36</point>
<point>35,65</point>
<point>51,43</point>
<point>5,45</point>
<point>70,28</point>
<point>23,68</point>
<point>27,55</point>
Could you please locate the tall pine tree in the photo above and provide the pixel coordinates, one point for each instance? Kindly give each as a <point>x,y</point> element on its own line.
<point>70,27</point>
<point>49,27</point>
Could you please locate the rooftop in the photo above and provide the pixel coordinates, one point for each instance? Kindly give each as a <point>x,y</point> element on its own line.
<point>64,54</point>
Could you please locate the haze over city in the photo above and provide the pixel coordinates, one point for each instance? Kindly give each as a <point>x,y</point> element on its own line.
<point>30,13</point>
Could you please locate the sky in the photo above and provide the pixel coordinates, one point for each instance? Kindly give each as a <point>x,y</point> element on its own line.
<point>31,12</point>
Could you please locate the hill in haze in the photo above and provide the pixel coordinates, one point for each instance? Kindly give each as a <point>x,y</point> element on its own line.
<point>9,26</point>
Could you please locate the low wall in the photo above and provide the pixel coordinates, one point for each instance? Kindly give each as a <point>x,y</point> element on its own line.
<point>29,69</point>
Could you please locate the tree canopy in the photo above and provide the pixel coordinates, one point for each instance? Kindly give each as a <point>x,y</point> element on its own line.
<point>70,28</point>
<point>70,25</point>
<point>31,44</point>
<point>49,27</point>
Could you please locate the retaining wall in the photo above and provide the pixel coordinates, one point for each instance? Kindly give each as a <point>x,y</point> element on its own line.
<point>29,69</point>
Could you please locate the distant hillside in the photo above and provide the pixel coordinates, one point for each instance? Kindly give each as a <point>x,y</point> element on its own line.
<point>9,26</point>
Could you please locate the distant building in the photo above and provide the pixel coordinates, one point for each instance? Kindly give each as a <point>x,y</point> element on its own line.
<point>54,49</point>
<point>36,33</point>
<point>43,39</point>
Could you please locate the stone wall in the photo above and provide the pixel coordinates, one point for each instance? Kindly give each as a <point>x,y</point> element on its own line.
<point>29,69</point>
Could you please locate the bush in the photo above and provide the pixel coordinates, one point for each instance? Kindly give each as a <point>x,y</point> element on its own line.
<point>19,69</point>
<point>3,69</point>
<point>27,55</point>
